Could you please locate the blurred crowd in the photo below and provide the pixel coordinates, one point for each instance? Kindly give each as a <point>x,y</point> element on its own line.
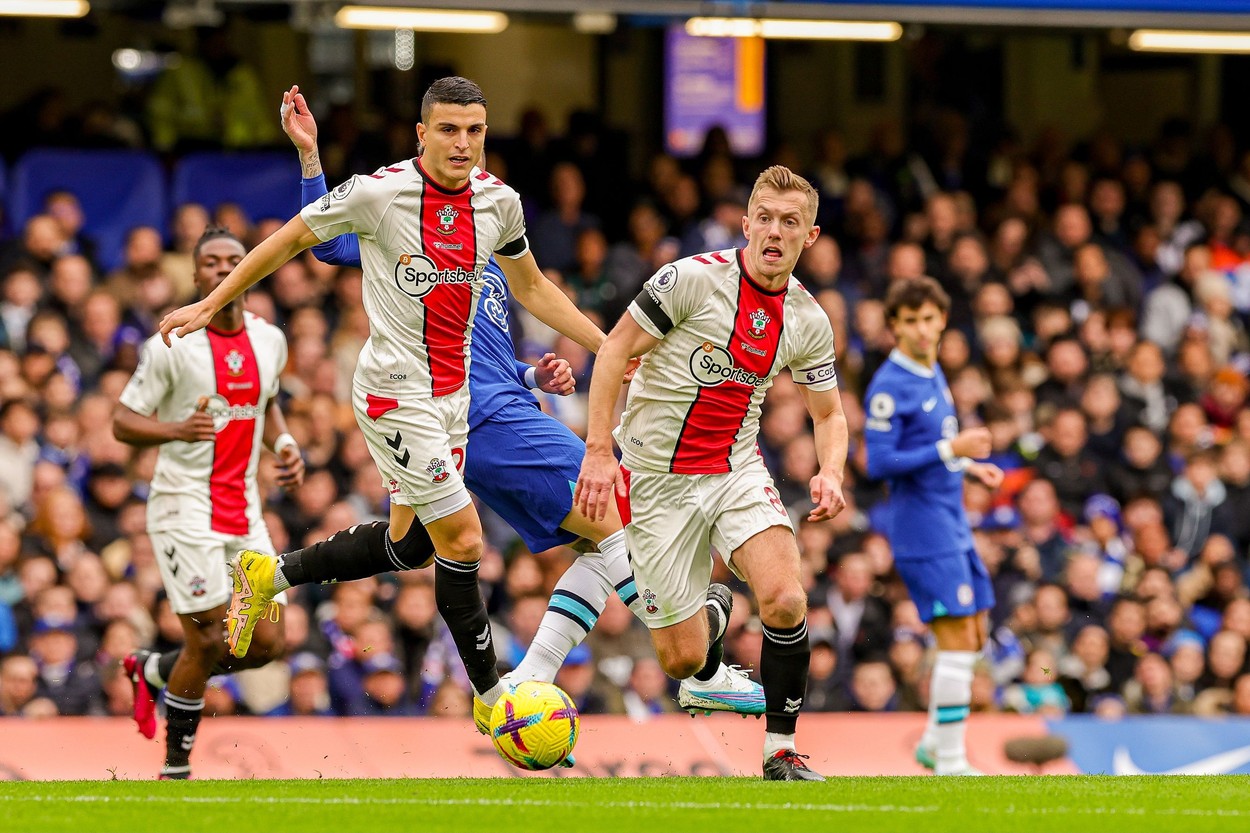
<point>1101,294</point>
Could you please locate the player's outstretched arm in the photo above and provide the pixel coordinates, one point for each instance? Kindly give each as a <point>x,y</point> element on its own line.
<point>133,428</point>
<point>599,474</point>
<point>548,304</point>
<point>272,252</point>
<point>832,439</point>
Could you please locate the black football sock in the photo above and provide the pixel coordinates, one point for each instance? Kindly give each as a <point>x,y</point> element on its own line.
<point>460,602</point>
<point>359,552</point>
<point>716,645</point>
<point>182,719</point>
<point>783,671</point>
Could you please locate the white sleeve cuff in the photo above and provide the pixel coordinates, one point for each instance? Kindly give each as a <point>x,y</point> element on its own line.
<point>531,378</point>
<point>948,457</point>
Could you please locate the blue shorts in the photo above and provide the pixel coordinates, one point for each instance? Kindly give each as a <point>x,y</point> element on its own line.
<point>523,464</point>
<point>956,584</point>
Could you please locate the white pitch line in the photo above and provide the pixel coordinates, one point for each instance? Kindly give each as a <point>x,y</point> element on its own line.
<point>478,802</point>
<point>656,805</point>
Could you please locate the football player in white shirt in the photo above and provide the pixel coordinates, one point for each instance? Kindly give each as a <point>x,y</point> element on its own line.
<point>427,227</point>
<point>715,329</point>
<point>209,403</point>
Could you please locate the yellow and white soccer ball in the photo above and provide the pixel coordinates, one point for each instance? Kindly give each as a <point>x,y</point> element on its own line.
<point>534,725</point>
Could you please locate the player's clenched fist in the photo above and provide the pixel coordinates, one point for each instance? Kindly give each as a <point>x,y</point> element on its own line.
<point>972,442</point>
<point>290,468</point>
<point>554,375</point>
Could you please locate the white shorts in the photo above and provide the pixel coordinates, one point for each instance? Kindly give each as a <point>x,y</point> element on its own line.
<point>418,447</point>
<point>674,518</point>
<point>195,566</point>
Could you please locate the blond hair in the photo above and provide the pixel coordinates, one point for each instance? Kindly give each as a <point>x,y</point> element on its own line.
<point>781,179</point>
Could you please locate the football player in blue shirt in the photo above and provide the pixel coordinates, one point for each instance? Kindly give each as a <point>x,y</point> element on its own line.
<point>914,443</point>
<point>522,463</point>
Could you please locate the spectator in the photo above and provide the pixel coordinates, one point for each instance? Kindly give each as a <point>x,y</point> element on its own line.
<point>209,98</point>
<point>1083,672</point>
<point>1167,309</point>
<point>1152,689</point>
<point>1038,692</point>
<point>862,619</point>
<point>19,691</point>
<point>555,232</point>
<point>19,425</point>
<point>1040,515</point>
<point>1194,499</point>
<point>872,688</point>
<point>647,692</point>
<point>72,685</point>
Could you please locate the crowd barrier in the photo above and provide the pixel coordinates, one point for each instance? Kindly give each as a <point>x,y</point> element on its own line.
<point>232,747</point>
<point>839,744</point>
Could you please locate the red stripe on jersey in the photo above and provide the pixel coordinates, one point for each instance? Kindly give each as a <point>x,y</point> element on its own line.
<point>379,405</point>
<point>718,257</point>
<point>483,176</point>
<point>717,413</point>
<point>622,501</point>
<point>238,383</point>
<point>703,260</point>
<point>447,219</point>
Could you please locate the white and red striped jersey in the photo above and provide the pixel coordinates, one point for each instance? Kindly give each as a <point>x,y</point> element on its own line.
<point>694,405</point>
<point>198,487</point>
<point>422,249</point>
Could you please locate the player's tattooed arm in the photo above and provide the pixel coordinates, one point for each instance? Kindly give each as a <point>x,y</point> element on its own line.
<point>300,126</point>
<point>310,164</point>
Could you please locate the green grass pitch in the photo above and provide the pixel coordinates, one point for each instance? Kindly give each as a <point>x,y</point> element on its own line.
<point>656,805</point>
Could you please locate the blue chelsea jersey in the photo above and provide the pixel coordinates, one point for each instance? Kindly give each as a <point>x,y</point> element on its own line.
<point>496,378</point>
<point>910,420</point>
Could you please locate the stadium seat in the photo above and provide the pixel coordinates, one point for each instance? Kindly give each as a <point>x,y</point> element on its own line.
<point>118,190</point>
<point>264,184</point>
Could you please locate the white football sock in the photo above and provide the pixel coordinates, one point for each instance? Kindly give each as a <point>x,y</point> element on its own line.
<point>950,694</point>
<point>151,671</point>
<point>491,695</point>
<point>775,742</point>
<point>573,610</point>
<point>280,581</point>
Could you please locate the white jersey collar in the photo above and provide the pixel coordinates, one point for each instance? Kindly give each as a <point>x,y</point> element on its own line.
<point>910,365</point>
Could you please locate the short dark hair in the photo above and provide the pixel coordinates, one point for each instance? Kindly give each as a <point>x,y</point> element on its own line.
<point>913,293</point>
<point>451,90</point>
<point>210,234</point>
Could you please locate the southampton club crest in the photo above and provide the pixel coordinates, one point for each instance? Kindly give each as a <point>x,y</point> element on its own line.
<point>759,321</point>
<point>234,363</point>
<point>447,219</point>
<point>648,599</point>
<point>438,470</point>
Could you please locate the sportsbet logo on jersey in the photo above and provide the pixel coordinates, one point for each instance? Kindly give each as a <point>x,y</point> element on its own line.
<point>416,275</point>
<point>712,365</point>
<point>223,413</point>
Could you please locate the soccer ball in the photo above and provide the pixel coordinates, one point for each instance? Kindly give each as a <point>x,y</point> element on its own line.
<point>534,725</point>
